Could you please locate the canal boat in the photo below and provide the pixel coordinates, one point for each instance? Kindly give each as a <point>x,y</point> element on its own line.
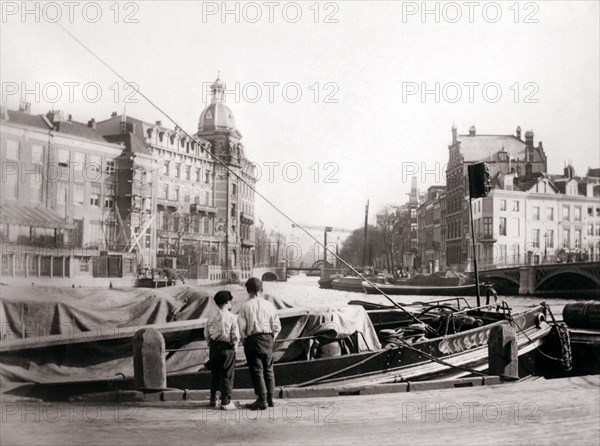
<point>421,290</point>
<point>434,340</point>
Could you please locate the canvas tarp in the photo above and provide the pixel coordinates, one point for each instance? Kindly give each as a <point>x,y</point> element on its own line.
<point>53,311</point>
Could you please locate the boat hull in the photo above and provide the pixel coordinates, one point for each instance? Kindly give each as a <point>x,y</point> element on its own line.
<point>459,290</point>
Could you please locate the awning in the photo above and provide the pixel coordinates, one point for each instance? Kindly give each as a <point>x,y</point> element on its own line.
<point>29,216</point>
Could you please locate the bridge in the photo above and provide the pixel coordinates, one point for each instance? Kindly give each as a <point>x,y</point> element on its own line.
<point>560,279</point>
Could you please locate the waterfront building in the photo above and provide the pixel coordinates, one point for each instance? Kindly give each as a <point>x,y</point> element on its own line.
<point>110,198</point>
<point>536,218</point>
<point>429,224</point>
<point>57,202</point>
<point>202,215</point>
<point>506,154</point>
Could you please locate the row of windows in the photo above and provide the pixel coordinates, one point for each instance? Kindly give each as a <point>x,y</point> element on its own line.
<point>186,172</point>
<point>176,193</point>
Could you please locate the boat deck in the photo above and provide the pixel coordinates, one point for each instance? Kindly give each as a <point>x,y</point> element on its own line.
<point>555,411</point>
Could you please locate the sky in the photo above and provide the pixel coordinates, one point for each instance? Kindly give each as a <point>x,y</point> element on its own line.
<point>328,96</point>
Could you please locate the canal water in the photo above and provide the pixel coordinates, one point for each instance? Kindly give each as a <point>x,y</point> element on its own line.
<point>302,290</point>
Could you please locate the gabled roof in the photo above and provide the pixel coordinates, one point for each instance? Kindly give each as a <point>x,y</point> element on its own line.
<point>480,147</point>
<point>526,183</point>
<point>78,129</point>
<point>593,173</point>
<point>22,118</point>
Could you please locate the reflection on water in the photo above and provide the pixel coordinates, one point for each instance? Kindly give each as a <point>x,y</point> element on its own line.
<point>304,291</point>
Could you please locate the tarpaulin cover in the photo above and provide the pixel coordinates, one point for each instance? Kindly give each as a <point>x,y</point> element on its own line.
<point>36,312</point>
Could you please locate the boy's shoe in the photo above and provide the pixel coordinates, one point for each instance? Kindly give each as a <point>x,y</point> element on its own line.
<point>257,405</point>
<point>230,406</point>
<point>270,401</point>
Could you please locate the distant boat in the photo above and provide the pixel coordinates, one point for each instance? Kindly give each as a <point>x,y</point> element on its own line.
<point>348,283</point>
<point>421,290</point>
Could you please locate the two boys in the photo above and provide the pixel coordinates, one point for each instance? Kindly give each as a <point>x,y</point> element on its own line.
<point>258,326</point>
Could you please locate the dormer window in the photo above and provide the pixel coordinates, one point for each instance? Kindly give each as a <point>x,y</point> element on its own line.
<point>502,156</point>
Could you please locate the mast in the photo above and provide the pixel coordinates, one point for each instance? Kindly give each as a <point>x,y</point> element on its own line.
<point>365,234</point>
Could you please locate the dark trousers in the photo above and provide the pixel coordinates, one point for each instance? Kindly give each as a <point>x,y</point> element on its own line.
<point>259,354</point>
<point>222,367</point>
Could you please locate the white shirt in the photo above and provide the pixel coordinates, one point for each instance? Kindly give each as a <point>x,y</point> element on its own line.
<point>258,315</point>
<point>223,327</point>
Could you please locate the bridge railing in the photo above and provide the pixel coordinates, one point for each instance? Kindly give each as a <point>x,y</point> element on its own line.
<point>524,260</point>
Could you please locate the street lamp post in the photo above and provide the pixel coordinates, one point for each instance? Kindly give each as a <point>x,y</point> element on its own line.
<point>327,229</point>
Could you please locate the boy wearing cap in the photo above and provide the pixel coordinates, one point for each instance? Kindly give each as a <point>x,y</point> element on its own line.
<point>259,326</point>
<point>223,336</point>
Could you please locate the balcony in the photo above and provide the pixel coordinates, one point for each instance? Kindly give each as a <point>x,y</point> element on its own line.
<point>247,217</point>
<point>203,208</point>
<point>486,238</point>
<point>248,242</point>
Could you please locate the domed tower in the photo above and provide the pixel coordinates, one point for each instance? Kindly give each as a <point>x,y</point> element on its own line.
<point>234,200</point>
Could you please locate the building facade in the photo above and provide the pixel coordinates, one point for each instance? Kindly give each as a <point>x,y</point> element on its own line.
<point>429,223</point>
<point>120,195</point>
<point>504,154</point>
<point>58,194</point>
<point>536,218</point>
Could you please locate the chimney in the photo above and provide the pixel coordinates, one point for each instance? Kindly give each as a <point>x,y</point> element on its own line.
<point>113,114</point>
<point>158,122</point>
<point>569,171</point>
<point>25,107</point>
<point>519,132</point>
<point>472,130</point>
<point>92,123</point>
<point>529,139</point>
<point>55,116</point>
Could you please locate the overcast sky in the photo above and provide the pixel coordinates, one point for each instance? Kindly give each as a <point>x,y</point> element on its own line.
<point>359,57</point>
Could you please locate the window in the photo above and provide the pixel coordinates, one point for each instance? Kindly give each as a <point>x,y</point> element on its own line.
<point>198,175</point>
<point>234,189</point>
<point>233,211</point>
<point>95,195</point>
<point>110,167</point>
<point>177,170</point>
<point>549,238</point>
<point>577,237</point>
<point>502,227</point>
<point>590,229</point>
<point>63,157</point>
<point>12,149</point>
<point>186,195</point>
<point>536,238</point>
<point>550,214</point>
<point>597,230</point>
<point>93,168</point>
<point>78,163</point>
<point>566,212</point>
<point>577,213</point>
<point>536,212</point>
<point>37,154</point>
<point>207,197</point>
<point>36,187</point>
<point>516,206</point>
<point>164,192</point>
<point>78,194</point>
<point>176,193</point>
<point>487,225</point>
<point>566,238</point>
<point>502,205</point>
<point>165,168</point>
<point>9,186</point>
<point>188,173</point>
<point>62,194</point>
<point>207,178</point>
<point>590,212</point>
<point>516,252</point>
<point>206,226</point>
<point>109,202</point>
